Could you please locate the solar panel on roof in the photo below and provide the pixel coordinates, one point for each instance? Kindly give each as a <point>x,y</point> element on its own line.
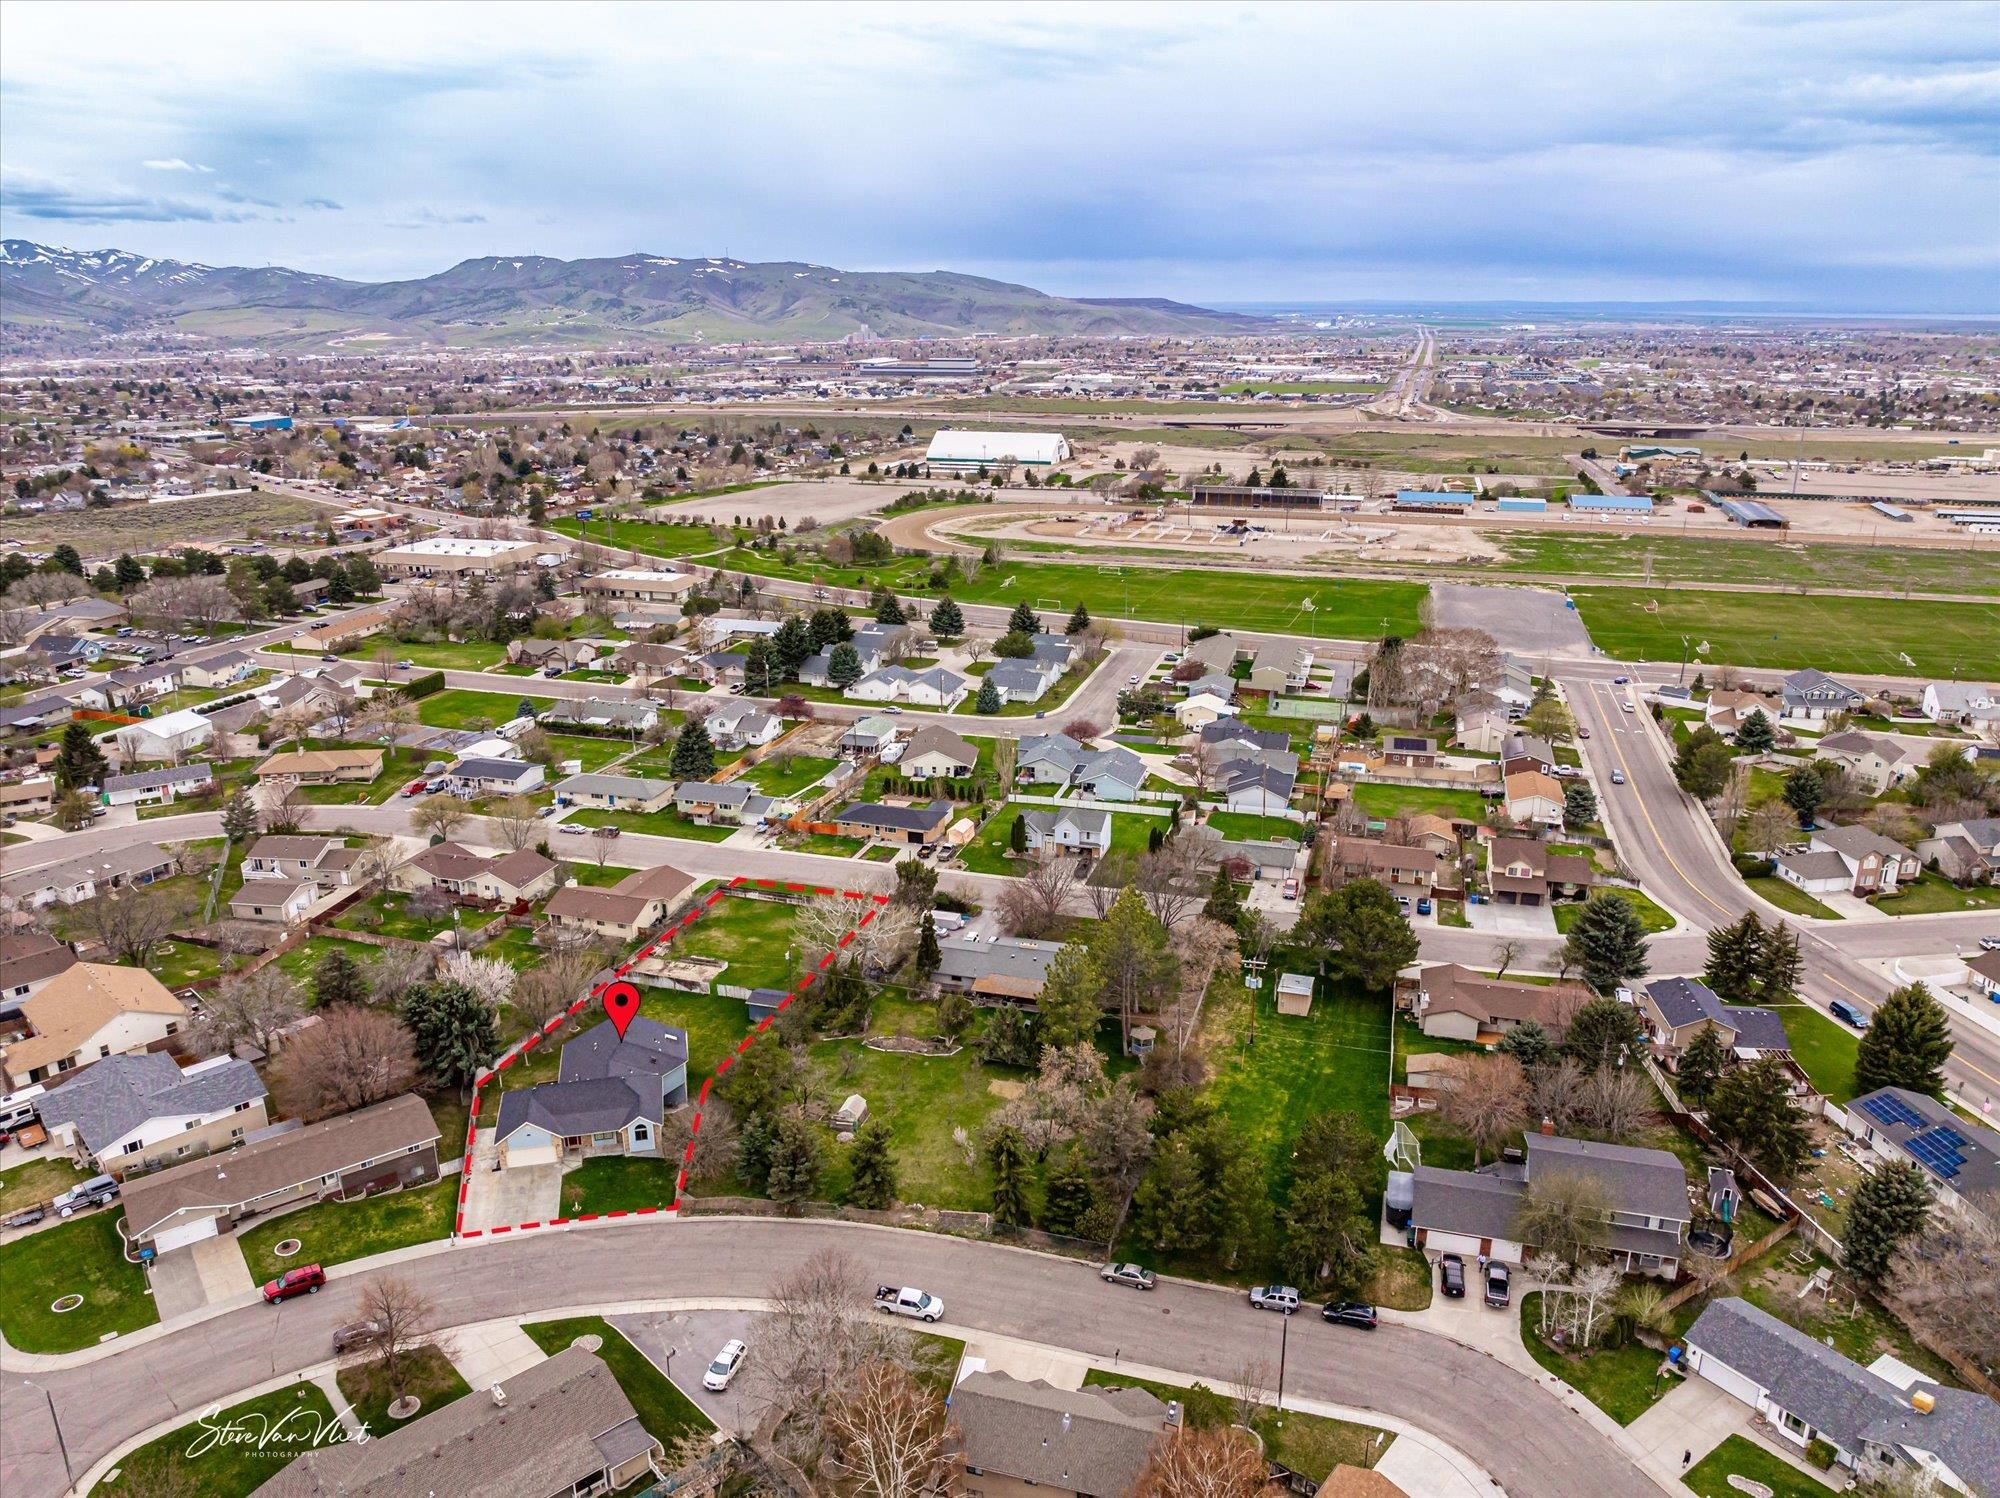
<point>1892,1110</point>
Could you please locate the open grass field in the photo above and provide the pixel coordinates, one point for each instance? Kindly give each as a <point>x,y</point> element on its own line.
<point>1874,636</point>
<point>660,539</point>
<point>86,1257</point>
<point>429,1377</point>
<point>752,936</point>
<point>334,1232</point>
<point>667,823</point>
<point>1380,802</point>
<point>1772,564</point>
<point>142,528</point>
<point>297,1413</point>
<point>787,776</point>
<point>1243,826</point>
<point>1743,1459</point>
<point>452,655</point>
<point>594,752</point>
<point>662,1409</point>
<point>457,708</point>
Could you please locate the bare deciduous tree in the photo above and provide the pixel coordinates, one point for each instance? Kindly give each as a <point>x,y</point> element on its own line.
<point>1563,1215</point>
<point>130,922</point>
<point>438,816</point>
<point>1035,905</point>
<point>1486,1102</point>
<point>1251,1387</point>
<point>1174,879</point>
<point>1553,1093</point>
<point>491,979</point>
<point>285,809</point>
<point>514,819</point>
<point>252,1009</point>
<point>887,1434</point>
<point>1615,1103</point>
<point>1215,1461</point>
<point>1506,952</point>
<point>401,1320</point>
<point>350,1058</point>
<point>1947,1280</point>
<point>825,919</point>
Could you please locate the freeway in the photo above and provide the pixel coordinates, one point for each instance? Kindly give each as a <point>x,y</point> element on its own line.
<point>1666,839</point>
<point>1520,1431</point>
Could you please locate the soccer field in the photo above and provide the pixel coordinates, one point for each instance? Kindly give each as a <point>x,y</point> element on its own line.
<point>1876,636</point>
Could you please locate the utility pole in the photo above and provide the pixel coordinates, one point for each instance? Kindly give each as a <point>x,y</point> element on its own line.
<point>1284,1344</point>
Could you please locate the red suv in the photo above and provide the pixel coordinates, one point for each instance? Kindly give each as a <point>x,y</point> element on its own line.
<point>305,1280</point>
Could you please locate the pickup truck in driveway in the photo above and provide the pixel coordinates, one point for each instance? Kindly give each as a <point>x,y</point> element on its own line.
<point>908,1302</point>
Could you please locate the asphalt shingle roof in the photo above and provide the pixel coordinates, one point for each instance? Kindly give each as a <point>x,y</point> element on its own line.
<point>109,1100</point>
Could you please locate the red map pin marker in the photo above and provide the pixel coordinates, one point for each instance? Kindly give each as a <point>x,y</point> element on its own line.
<point>621,1002</point>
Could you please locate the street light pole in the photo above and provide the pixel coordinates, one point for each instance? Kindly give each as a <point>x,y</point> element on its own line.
<point>1284,1344</point>
<point>69,1477</point>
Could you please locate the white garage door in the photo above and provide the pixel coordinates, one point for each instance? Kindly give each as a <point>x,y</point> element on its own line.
<point>182,1236</point>
<point>530,1155</point>
<point>1450,1243</point>
<point>1725,1377</point>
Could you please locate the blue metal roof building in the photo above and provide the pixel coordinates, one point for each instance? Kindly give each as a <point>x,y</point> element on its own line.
<point>1522,504</point>
<point>1612,504</point>
<point>1433,499</point>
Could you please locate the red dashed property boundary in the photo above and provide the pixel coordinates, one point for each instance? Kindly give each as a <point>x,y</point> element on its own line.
<point>874,903</point>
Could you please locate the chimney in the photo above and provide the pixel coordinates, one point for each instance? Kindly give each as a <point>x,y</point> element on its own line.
<point>499,1396</point>
<point>1548,1127</point>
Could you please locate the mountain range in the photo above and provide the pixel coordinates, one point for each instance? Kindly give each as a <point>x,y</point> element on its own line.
<point>50,295</point>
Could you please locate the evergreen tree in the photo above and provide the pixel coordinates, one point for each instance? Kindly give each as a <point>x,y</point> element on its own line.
<point>452,1030</point>
<point>1700,1067</point>
<point>1579,803</point>
<point>1079,621</point>
<point>888,611</point>
<point>1361,931</point>
<point>1224,904</point>
<point>1735,959</point>
<point>843,666</point>
<point>757,667</point>
<point>1071,1001</point>
<point>754,1142</point>
<point>1755,732</point>
<point>239,818</point>
<point>1607,945</point>
<point>1070,1193</point>
<point>947,623</point>
<point>1891,1205</point>
<point>363,576</point>
<point>872,1180</point>
<point>796,1160</point>
<point>954,1014</point>
<point>988,701</point>
<point>1602,1033</point>
<point>694,752</point>
<point>1805,793</point>
<point>79,762</point>
<point>1169,1205</point>
<point>1008,1040</point>
<point>928,958</point>
<point>1017,835</point>
<point>790,646</point>
<point>337,979</point>
<point>1007,1155</point>
<point>66,558</point>
<point>1014,645</point>
<point>1327,1240</point>
<point>1905,1044</point>
<point>1022,620</point>
<point>1752,1112</point>
<point>1703,764</point>
<point>1781,965</point>
<point>128,573</point>
<point>1529,1043</point>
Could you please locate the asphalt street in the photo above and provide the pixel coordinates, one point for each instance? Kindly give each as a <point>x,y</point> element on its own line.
<point>1523,1434</point>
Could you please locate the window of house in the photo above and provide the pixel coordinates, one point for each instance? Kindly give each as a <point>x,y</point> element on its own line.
<point>133,1148</point>
<point>1793,1423</point>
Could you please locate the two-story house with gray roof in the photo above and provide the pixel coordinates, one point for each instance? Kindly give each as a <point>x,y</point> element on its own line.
<point>139,1112</point>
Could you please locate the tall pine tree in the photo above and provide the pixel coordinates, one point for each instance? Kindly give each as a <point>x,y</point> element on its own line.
<point>947,622</point>
<point>1905,1044</point>
<point>1700,1066</point>
<point>694,752</point>
<point>872,1180</point>
<point>1007,1154</point>
<point>1889,1206</point>
<point>1735,959</point>
<point>1079,621</point>
<point>1607,945</point>
<point>1023,620</point>
<point>79,762</point>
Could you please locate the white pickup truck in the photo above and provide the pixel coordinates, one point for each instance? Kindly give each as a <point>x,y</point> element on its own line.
<point>908,1302</point>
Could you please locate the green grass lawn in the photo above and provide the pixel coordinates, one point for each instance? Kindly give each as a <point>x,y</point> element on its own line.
<point>334,1232</point>
<point>922,1099</point>
<point>787,776</point>
<point>387,913</point>
<point>1312,1445</point>
<point>1344,609</point>
<point>1825,1048</point>
<point>619,1185</point>
<point>1863,635</point>
<point>987,852</point>
<point>449,1114</point>
<point>826,844</point>
<point>668,823</point>
<point>442,655</point>
<point>1678,559</point>
<point>516,944</point>
<point>1787,896</point>
<point>302,959</point>
<point>225,1470</point>
<point>1739,1456</point>
<point>37,1181</point>
<point>1933,894</point>
<point>1380,802</point>
<point>590,874</point>
<point>456,708</point>
<point>1243,826</point>
<point>752,936</point>
<point>595,752</point>
<point>84,1257</point>
<point>655,538</point>
<point>1651,916</point>
<point>428,1376</point>
<point>663,1409</point>
<point>1618,1380</point>
<point>186,963</point>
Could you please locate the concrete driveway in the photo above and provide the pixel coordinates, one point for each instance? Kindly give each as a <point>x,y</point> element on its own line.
<point>507,1198</point>
<point>693,1338</point>
<point>1511,920</point>
<point>175,1279</point>
<point>1691,1421</point>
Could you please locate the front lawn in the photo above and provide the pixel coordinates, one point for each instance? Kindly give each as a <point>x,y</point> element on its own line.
<point>1312,1445</point>
<point>335,1232</point>
<point>1247,827</point>
<point>85,1256</point>
<point>783,775</point>
<point>619,1185</point>
<point>428,1376</point>
<point>1651,917</point>
<point>1621,1381</point>
<point>293,1417</point>
<point>1825,1048</point>
<point>1380,802</point>
<point>1933,894</point>
<point>594,751</point>
<point>664,1410</point>
<point>456,708</point>
<point>826,844</point>
<point>668,823</point>
<point>1790,897</point>
<point>36,1182</point>
<point>443,655</point>
<point>1740,1457</point>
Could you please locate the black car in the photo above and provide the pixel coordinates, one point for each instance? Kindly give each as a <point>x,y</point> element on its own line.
<point>1451,1274</point>
<point>1349,1313</point>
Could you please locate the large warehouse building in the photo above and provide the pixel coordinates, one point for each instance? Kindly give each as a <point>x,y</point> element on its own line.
<point>463,556</point>
<point>963,452</point>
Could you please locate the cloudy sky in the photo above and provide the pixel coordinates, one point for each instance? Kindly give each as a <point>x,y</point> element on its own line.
<point>1838,155</point>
